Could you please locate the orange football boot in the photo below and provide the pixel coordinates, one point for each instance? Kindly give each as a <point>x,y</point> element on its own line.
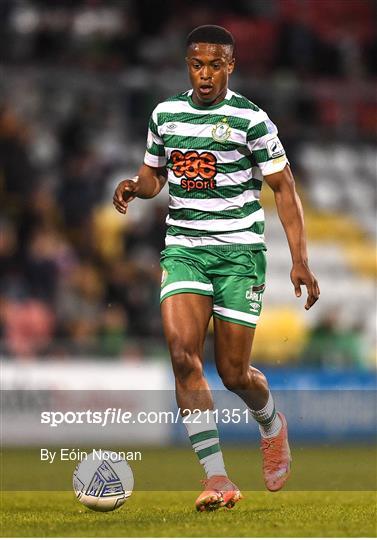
<point>219,492</point>
<point>276,458</point>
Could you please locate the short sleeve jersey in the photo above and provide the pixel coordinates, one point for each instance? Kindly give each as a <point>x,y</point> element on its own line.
<point>216,158</point>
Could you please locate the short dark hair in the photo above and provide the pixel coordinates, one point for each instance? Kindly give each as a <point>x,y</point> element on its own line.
<point>210,33</point>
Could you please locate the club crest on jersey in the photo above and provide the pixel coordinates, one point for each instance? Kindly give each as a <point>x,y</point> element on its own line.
<point>221,131</point>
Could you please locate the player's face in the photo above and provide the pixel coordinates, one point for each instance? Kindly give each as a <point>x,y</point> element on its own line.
<point>209,66</point>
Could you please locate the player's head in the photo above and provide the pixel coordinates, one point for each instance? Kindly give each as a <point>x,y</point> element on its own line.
<point>210,61</point>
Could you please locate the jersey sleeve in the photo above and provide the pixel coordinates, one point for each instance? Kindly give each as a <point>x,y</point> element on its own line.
<point>155,153</point>
<point>265,145</point>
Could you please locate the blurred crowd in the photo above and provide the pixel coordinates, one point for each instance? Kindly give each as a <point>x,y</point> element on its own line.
<point>306,47</point>
<point>82,78</point>
<point>74,278</point>
<point>322,37</point>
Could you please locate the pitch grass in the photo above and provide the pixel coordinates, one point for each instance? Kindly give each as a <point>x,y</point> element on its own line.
<point>164,514</point>
<point>315,468</point>
<point>331,493</point>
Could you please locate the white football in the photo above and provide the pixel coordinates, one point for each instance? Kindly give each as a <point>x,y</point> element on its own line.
<point>103,481</point>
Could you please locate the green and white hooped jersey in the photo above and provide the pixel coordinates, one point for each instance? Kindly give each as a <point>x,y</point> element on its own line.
<point>216,158</point>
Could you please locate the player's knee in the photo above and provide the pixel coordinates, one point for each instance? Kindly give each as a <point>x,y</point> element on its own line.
<point>235,379</point>
<point>238,379</point>
<point>257,380</point>
<point>186,362</point>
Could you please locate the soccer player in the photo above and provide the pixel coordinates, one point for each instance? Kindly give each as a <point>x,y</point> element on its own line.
<point>214,148</point>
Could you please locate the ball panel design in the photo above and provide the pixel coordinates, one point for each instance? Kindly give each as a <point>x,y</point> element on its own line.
<point>103,483</point>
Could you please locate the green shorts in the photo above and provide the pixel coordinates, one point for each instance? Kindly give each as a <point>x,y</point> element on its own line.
<point>235,278</point>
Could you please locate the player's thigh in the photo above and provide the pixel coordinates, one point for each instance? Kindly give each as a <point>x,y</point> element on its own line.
<point>238,290</point>
<point>185,318</point>
<point>186,298</point>
<point>237,307</point>
<point>233,344</point>
<point>183,271</point>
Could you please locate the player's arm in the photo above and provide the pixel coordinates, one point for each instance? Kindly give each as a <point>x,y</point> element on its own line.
<point>152,175</point>
<point>147,184</point>
<point>291,214</point>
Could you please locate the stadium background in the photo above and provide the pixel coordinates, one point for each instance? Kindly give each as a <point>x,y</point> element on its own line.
<point>80,283</point>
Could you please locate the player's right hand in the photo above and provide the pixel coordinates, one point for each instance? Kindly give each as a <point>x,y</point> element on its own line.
<point>125,192</point>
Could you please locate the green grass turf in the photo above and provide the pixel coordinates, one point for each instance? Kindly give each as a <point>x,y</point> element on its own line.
<point>319,468</point>
<point>161,514</point>
<point>330,493</point>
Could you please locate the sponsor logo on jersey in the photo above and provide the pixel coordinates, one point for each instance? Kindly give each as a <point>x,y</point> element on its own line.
<point>275,148</point>
<point>189,185</point>
<point>197,169</point>
<point>171,127</point>
<point>221,131</point>
<point>255,293</point>
<point>254,306</point>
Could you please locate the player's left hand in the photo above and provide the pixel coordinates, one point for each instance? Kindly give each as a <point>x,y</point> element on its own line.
<point>301,275</point>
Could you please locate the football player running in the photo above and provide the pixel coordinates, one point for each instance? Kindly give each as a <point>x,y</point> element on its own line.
<point>215,148</point>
